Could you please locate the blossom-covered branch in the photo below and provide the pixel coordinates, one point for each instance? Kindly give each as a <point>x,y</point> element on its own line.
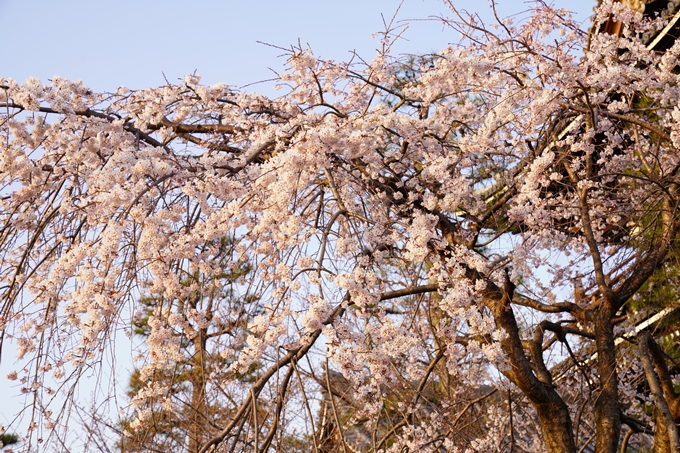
<point>410,237</point>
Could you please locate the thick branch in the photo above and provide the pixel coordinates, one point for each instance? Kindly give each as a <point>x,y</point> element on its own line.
<point>627,118</point>
<point>410,291</point>
<point>661,404</point>
<point>559,307</point>
<point>553,413</point>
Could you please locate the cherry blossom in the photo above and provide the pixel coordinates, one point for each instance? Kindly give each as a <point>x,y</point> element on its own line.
<point>439,251</point>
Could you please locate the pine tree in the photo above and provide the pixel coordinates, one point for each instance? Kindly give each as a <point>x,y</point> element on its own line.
<point>191,406</point>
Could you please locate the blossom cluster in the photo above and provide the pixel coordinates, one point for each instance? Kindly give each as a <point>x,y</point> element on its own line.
<point>391,218</point>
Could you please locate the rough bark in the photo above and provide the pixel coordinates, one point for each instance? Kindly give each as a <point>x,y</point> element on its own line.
<point>607,407</point>
<point>553,413</point>
<point>198,409</point>
<point>666,437</point>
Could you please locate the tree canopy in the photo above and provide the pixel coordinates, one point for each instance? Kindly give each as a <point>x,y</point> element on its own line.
<point>438,253</point>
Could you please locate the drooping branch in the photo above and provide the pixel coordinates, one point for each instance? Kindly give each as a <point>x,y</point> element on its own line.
<point>293,354</point>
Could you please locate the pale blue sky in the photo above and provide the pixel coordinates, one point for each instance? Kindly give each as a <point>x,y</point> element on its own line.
<point>109,43</point>
<point>133,42</point>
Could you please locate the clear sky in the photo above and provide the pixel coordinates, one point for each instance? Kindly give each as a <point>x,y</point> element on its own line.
<point>109,43</point>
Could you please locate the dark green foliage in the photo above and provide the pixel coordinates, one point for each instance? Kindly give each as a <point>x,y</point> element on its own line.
<point>193,383</point>
<point>9,439</point>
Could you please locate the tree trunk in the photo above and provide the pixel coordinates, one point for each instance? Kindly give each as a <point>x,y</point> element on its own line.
<point>607,408</point>
<point>553,413</point>
<point>556,426</point>
<point>198,410</point>
<point>666,437</point>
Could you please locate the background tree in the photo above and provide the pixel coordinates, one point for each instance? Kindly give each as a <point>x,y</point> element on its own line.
<point>198,405</point>
<point>9,439</point>
<point>467,226</point>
